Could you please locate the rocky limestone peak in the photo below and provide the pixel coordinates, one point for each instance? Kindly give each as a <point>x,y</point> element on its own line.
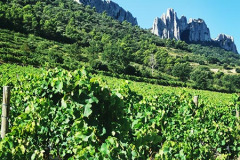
<point>171,14</point>
<point>155,28</point>
<point>199,20</point>
<point>112,9</point>
<point>195,30</point>
<point>198,31</point>
<point>167,26</point>
<point>224,37</point>
<point>226,42</point>
<point>183,23</point>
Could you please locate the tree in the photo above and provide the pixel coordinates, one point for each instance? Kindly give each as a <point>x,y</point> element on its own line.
<point>181,45</point>
<point>212,60</point>
<point>238,70</point>
<point>115,57</point>
<point>231,82</point>
<point>152,62</point>
<point>202,77</point>
<point>182,70</point>
<point>170,43</point>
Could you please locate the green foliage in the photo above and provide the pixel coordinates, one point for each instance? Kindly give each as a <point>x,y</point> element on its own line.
<point>151,89</point>
<point>201,62</point>
<point>117,55</point>
<point>33,50</point>
<point>231,82</point>
<point>212,60</point>
<point>238,70</point>
<point>69,35</point>
<point>202,77</point>
<point>65,111</point>
<point>182,70</point>
<point>225,66</point>
<point>182,45</point>
<point>69,115</point>
<point>110,45</point>
<point>215,54</point>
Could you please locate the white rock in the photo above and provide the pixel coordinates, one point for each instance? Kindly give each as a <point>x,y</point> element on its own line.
<point>167,26</point>
<point>196,30</point>
<point>183,23</point>
<point>226,42</point>
<point>112,9</point>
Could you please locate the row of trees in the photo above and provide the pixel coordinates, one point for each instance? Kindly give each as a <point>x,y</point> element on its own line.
<point>204,78</point>
<point>216,55</point>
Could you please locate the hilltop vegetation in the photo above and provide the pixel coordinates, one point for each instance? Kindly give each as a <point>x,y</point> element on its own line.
<point>64,33</point>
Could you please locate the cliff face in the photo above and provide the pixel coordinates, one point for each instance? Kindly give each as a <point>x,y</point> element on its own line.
<point>196,30</point>
<point>112,9</point>
<point>226,42</point>
<point>183,23</point>
<point>167,26</point>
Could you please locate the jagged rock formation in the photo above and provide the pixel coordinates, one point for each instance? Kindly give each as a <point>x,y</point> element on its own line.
<point>167,26</point>
<point>226,42</point>
<point>196,30</point>
<point>183,23</point>
<point>112,9</point>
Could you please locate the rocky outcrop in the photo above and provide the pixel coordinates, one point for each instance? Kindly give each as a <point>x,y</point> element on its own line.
<point>167,26</point>
<point>226,42</point>
<point>112,9</point>
<point>198,31</point>
<point>183,24</point>
<point>194,31</point>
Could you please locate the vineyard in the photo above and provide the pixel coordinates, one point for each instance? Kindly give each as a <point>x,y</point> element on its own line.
<point>148,89</point>
<point>59,114</point>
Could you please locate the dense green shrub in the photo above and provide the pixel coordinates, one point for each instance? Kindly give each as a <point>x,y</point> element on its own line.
<point>182,70</point>
<point>202,77</point>
<point>238,70</point>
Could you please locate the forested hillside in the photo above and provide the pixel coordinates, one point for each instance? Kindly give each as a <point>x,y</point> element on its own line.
<point>67,34</point>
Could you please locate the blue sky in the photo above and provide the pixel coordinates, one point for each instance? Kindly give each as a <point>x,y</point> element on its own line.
<point>221,16</point>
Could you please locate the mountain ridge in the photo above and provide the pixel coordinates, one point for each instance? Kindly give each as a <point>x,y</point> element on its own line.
<point>169,26</point>
<point>112,9</point>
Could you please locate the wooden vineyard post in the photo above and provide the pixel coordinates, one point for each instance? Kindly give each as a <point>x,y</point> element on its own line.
<point>5,110</point>
<point>237,107</point>
<point>195,100</point>
<point>237,112</point>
